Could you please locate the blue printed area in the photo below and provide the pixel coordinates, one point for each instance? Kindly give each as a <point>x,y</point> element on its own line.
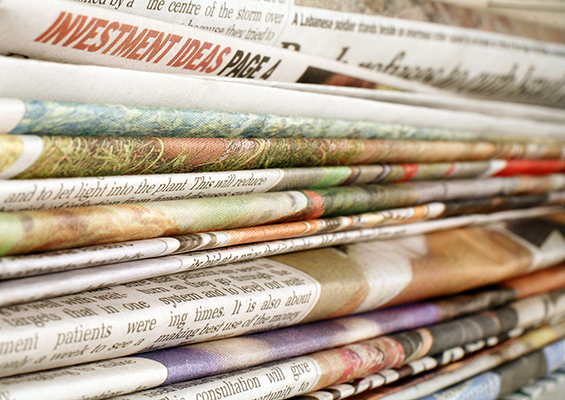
<point>79,119</point>
<point>201,359</point>
<point>554,355</point>
<point>482,387</point>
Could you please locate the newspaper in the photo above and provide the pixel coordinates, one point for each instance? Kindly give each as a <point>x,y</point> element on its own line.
<point>412,379</point>
<point>509,377</point>
<point>434,101</point>
<point>511,68</point>
<point>91,256</point>
<point>544,13</point>
<point>374,323</point>
<point>430,383</point>
<point>34,156</point>
<point>54,229</point>
<point>269,293</point>
<point>314,376</point>
<point>548,387</point>
<point>432,11</point>
<point>61,283</point>
<point>334,365</point>
<point>449,62</point>
<point>84,119</point>
<point>389,377</point>
<point>471,333</point>
<point>38,80</point>
<point>45,30</point>
<point>352,328</point>
<point>21,195</point>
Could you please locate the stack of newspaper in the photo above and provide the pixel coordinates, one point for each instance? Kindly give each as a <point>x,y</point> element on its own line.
<point>272,199</point>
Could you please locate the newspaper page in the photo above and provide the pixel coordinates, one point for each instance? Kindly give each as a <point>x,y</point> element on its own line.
<point>509,377</point>
<point>45,30</point>
<point>442,335</point>
<point>62,228</point>
<point>442,13</point>
<point>548,387</point>
<point>397,384</point>
<point>322,371</point>
<point>308,338</point>
<point>39,80</point>
<point>269,293</point>
<point>124,271</point>
<point>20,195</point>
<point>446,376</point>
<point>483,364</point>
<point>544,13</point>
<point>332,366</point>
<point>34,156</point>
<point>83,119</point>
<point>431,11</point>
<point>90,256</point>
<point>524,112</point>
<point>96,255</point>
<point>473,62</point>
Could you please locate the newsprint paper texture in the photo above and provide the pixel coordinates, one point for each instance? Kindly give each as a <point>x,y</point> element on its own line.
<point>507,378</point>
<point>483,107</point>
<point>276,238</point>
<point>277,15</point>
<point>478,331</point>
<point>80,119</point>
<point>198,360</point>
<point>486,386</point>
<point>550,386</point>
<point>270,293</point>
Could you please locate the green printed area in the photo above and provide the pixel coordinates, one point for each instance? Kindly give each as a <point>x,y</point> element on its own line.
<point>360,199</point>
<point>11,232</point>
<point>334,176</point>
<point>79,119</point>
<point>231,212</point>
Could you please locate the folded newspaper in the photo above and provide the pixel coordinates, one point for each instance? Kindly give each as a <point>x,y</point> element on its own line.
<point>29,194</point>
<point>335,365</point>
<point>40,80</point>
<point>266,222</point>
<point>363,50</point>
<point>270,293</point>
<point>40,230</point>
